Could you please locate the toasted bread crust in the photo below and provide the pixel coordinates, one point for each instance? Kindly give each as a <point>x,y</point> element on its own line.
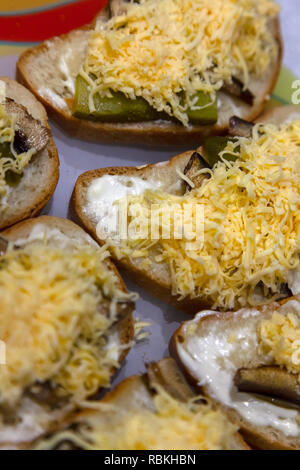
<point>151,134</point>
<point>280,114</point>
<point>257,437</point>
<point>125,325</point>
<point>51,177</point>
<point>141,388</point>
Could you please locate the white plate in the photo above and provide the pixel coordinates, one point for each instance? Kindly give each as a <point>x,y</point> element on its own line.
<point>77,156</point>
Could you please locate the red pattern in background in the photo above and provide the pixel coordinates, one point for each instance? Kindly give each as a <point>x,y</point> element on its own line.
<point>38,26</point>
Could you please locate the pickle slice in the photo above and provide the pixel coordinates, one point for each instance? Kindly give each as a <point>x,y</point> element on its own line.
<point>207,115</point>
<point>119,108</point>
<point>11,178</point>
<point>5,151</point>
<point>213,146</point>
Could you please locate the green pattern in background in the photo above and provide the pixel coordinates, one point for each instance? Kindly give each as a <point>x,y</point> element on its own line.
<point>283,91</point>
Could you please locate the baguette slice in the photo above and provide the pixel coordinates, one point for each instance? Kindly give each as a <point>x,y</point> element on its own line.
<point>157,280</point>
<point>41,175</point>
<point>212,347</point>
<point>49,71</point>
<point>134,394</point>
<point>36,419</point>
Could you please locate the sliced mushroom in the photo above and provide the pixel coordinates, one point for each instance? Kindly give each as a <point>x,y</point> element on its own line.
<point>166,374</point>
<point>236,88</point>
<point>269,381</point>
<point>20,143</point>
<point>3,245</point>
<point>239,127</point>
<point>194,165</point>
<point>30,132</point>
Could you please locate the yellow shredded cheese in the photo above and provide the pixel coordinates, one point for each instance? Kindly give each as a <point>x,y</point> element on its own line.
<point>279,338</point>
<point>140,331</point>
<point>55,311</point>
<point>172,426</point>
<point>160,48</point>
<point>250,231</point>
<point>7,135</point>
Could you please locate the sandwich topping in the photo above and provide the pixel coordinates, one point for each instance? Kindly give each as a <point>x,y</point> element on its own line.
<point>10,162</point>
<point>56,308</point>
<point>172,425</point>
<point>244,364</point>
<point>21,137</point>
<point>279,338</point>
<point>248,246</point>
<point>177,54</point>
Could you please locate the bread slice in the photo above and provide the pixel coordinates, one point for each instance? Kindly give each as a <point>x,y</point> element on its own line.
<point>212,347</point>
<point>49,71</point>
<point>134,394</point>
<point>281,114</point>
<point>41,175</point>
<point>34,419</point>
<point>157,280</point>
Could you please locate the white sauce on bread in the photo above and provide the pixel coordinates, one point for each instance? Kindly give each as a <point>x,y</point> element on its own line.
<point>104,191</point>
<point>209,358</point>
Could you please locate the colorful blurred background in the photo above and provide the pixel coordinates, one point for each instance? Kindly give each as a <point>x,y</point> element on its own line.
<point>27,22</point>
<point>24,23</point>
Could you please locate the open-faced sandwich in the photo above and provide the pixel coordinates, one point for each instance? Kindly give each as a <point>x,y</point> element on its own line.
<point>248,363</point>
<point>159,71</point>
<point>29,165</point>
<point>65,323</point>
<point>240,195</point>
<point>155,411</point>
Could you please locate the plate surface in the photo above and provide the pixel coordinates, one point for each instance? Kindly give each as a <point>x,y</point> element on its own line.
<point>78,156</point>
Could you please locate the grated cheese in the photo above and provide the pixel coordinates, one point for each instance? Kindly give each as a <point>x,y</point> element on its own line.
<point>172,426</point>
<point>279,338</point>
<point>56,308</point>
<point>140,331</point>
<point>251,224</point>
<point>160,48</point>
